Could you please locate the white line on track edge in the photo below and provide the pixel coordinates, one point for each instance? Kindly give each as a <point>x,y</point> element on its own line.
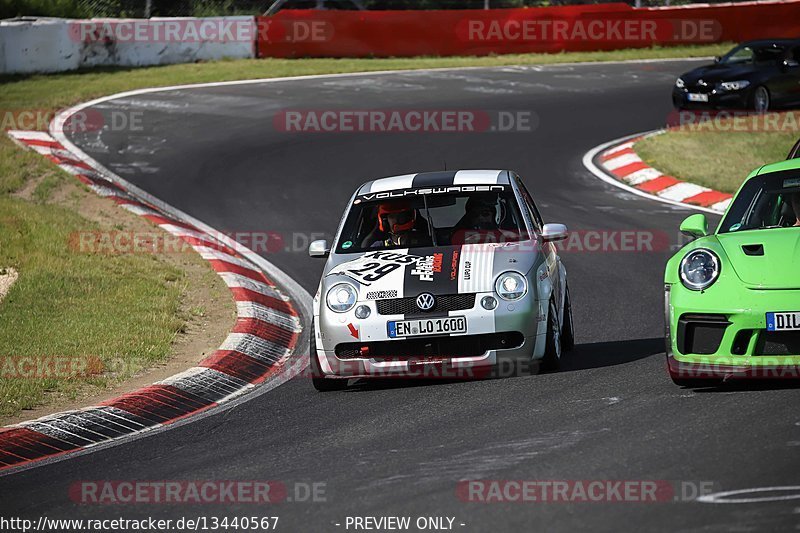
<point>588,162</point>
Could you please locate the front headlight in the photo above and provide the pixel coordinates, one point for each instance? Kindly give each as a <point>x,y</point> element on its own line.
<point>699,269</point>
<point>734,85</point>
<point>679,83</point>
<point>341,298</point>
<point>511,285</point>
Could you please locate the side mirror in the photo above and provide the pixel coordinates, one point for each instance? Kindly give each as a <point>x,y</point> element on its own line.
<point>319,249</point>
<point>717,59</point>
<point>554,232</point>
<point>695,226</point>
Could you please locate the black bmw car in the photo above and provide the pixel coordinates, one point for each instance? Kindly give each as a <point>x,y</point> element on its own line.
<point>756,75</point>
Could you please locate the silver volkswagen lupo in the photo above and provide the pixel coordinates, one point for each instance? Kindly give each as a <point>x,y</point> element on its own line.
<point>439,274</point>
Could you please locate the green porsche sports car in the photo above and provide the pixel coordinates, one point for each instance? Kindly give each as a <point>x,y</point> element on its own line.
<point>733,295</point>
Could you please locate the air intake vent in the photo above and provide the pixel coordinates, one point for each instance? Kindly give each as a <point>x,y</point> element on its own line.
<point>753,249</point>
<point>778,343</point>
<point>701,334</point>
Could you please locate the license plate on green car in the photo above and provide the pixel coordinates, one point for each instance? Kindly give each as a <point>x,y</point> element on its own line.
<point>783,321</point>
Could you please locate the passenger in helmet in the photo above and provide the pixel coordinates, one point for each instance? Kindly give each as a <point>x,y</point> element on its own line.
<point>480,214</point>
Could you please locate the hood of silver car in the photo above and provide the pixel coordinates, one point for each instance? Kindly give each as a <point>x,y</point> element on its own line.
<point>438,270</point>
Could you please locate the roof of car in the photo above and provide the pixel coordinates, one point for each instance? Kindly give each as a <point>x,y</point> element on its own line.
<point>437,179</point>
<point>789,164</point>
<point>767,42</point>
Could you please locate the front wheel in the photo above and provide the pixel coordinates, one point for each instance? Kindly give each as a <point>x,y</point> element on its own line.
<point>552,351</point>
<point>568,329</point>
<point>761,99</point>
<point>321,383</point>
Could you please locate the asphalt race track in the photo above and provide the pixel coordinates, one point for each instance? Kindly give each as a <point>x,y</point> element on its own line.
<point>399,449</point>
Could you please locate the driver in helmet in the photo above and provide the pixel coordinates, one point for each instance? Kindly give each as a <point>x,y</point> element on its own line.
<point>397,223</point>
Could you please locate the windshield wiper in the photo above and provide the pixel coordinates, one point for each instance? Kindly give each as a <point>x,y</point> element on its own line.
<point>430,220</point>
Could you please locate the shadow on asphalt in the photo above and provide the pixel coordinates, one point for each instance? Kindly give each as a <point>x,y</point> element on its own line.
<point>582,357</point>
<point>601,354</point>
<point>750,385</point>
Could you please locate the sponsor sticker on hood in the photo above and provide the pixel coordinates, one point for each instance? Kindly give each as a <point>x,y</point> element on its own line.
<point>374,267</point>
<point>443,270</point>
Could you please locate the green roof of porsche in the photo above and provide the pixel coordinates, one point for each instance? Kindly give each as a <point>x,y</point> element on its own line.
<point>789,164</point>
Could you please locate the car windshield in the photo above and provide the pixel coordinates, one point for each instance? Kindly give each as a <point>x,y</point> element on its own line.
<point>440,216</point>
<point>749,54</point>
<point>765,202</point>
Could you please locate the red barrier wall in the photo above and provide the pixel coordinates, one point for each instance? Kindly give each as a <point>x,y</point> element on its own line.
<point>311,33</point>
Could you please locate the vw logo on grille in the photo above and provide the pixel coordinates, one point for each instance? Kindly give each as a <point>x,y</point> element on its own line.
<point>426,301</point>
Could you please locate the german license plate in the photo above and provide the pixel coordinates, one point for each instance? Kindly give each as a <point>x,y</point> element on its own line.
<point>427,326</point>
<point>698,97</point>
<point>783,321</point>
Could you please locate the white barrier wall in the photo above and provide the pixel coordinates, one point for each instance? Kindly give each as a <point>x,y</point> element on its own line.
<point>57,45</point>
<point>37,46</point>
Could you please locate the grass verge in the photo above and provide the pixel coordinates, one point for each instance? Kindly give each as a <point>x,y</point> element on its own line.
<point>78,324</point>
<point>126,310</point>
<point>717,158</point>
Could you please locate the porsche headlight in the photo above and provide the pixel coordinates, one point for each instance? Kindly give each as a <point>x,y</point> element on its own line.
<point>699,269</point>
<point>341,298</point>
<point>679,83</point>
<point>511,285</point>
<point>734,85</point>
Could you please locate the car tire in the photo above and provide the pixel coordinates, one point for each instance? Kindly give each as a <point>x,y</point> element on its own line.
<point>760,100</point>
<point>321,383</point>
<point>552,351</point>
<point>568,328</point>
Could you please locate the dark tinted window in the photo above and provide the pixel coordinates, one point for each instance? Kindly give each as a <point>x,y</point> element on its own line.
<point>448,218</point>
<point>768,201</point>
<point>758,54</point>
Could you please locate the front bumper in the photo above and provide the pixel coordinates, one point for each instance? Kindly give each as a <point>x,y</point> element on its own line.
<point>716,100</point>
<point>729,340</point>
<point>524,321</point>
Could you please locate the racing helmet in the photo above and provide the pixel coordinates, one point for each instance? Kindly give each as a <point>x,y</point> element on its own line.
<point>405,217</point>
<point>482,212</point>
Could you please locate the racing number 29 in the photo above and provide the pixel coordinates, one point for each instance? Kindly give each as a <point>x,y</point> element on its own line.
<point>375,271</point>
